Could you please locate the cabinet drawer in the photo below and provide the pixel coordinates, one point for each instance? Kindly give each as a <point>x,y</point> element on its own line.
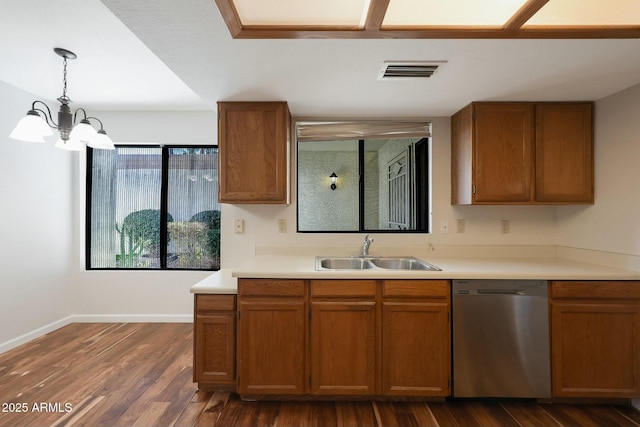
<point>215,303</point>
<point>270,288</point>
<point>343,288</point>
<point>416,288</point>
<point>615,289</point>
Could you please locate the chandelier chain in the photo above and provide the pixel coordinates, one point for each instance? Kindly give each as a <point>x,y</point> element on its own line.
<point>64,78</point>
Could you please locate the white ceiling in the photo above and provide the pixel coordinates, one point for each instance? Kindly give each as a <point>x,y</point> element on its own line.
<point>170,55</point>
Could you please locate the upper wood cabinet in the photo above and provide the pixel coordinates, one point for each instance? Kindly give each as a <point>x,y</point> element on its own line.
<point>522,153</point>
<point>564,152</point>
<point>253,139</point>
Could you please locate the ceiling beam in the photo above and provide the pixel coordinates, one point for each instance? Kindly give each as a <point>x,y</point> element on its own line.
<point>538,32</point>
<point>525,13</point>
<point>375,15</point>
<point>230,16</point>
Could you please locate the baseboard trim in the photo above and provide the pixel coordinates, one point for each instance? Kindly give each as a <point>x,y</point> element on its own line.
<point>132,318</point>
<point>94,318</point>
<point>36,333</point>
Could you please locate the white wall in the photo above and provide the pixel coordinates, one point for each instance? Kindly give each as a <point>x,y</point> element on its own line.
<point>37,227</point>
<point>139,295</point>
<point>612,224</point>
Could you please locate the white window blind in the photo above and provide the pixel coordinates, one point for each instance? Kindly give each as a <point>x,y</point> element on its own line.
<point>361,129</point>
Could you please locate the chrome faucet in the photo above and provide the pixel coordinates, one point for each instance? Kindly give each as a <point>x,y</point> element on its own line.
<point>365,245</point>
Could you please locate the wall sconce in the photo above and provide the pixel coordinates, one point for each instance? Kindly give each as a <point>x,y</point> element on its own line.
<point>333,177</point>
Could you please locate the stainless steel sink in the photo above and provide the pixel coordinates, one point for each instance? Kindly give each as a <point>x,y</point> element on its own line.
<point>406,263</point>
<point>366,263</point>
<point>343,263</point>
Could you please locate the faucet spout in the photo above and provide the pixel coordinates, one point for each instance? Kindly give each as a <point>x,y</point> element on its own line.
<point>366,244</point>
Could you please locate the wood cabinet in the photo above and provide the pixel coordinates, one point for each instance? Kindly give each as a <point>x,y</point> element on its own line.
<point>416,338</point>
<point>595,339</point>
<point>333,338</point>
<point>522,153</point>
<point>214,354</point>
<point>271,337</point>
<point>343,337</point>
<point>564,153</point>
<point>253,139</point>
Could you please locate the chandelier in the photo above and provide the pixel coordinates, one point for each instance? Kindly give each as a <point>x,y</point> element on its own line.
<point>74,134</point>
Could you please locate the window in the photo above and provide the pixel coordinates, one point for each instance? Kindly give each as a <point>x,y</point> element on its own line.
<point>153,207</point>
<point>381,174</point>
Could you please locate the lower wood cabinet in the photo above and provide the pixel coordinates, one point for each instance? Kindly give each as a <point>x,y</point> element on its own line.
<point>271,337</point>
<point>595,339</point>
<point>416,338</point>
<point>332,338</point>
<point>343,342</point>
<point>214,355</point>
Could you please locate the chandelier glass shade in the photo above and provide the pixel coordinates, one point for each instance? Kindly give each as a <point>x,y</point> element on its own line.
<point>74,134</point>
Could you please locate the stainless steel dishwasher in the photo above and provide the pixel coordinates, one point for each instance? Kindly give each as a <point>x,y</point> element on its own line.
<point>501,339</point>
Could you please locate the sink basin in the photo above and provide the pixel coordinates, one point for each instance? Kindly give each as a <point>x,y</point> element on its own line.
<point>343,263</point>
<point>407,263</point>
<point>366,263</point>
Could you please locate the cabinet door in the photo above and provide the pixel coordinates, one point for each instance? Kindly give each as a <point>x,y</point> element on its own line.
<point>214,358</point>
<point>416,342</point>
<point>564,152</point>
<point>253,138</point>
<point>271,347</point>
<point>503,152</point>
<point>214,344</point>
<point>595,349</point>
<point>343,347</point>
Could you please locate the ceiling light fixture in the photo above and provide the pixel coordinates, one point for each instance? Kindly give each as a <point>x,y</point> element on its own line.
<point>74,135</point>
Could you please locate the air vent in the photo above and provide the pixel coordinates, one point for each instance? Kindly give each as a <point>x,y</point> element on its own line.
<point>409,70</point>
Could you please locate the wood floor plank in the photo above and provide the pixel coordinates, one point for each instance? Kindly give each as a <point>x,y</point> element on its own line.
<point>630,413</point>
<point>530,414</point>
<point>415,414</point>
<point>141,374</point>
<point>355,414</point>
<point>306,414</point>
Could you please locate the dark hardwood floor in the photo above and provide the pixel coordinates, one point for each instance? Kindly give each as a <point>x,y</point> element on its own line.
<point>139,374</point>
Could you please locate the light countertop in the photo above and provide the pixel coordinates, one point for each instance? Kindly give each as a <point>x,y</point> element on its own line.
<point>220,282</point>
<point>303,267</point>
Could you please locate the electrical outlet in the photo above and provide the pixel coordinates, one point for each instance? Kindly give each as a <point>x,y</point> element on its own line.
<point>505,226</point>
<point>444,227</point>
<point>460,226</point>
<point>282,225</point>
<point>238,226</point>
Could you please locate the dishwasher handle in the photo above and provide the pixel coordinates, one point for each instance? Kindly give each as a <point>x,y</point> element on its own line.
<point>491,292</point>
<point>501,292</point>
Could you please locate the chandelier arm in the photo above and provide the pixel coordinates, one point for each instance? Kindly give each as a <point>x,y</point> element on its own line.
<point>84,113</point>
<point>47,115</point>
<point>95,118</point>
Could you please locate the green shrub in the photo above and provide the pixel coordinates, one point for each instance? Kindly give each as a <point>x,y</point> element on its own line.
<point>140,231</point>
<point>211,220</point>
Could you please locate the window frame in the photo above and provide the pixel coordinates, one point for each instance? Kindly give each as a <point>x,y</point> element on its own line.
<point>164,189</point>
